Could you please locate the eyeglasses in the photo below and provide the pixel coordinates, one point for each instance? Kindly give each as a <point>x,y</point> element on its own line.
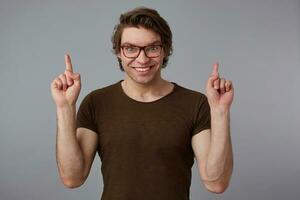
<point>151,51</point>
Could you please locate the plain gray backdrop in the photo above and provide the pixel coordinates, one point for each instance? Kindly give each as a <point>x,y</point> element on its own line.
<point>256,42</point>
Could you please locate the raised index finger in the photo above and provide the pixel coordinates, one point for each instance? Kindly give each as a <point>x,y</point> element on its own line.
<point>68,63</point>
<point>215,69</point>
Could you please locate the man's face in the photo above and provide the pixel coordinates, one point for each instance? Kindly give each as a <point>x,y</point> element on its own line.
<point>142,69</point>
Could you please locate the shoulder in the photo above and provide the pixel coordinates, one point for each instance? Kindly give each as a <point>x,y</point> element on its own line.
<point>189,93</point>
<point>101,94</point>
<point>107,90</point>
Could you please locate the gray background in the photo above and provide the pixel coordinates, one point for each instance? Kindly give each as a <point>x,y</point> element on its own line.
<point>256,42</point>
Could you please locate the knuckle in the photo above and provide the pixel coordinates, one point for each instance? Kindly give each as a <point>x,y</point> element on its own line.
<point>57,80</point>
<point>61,76</point>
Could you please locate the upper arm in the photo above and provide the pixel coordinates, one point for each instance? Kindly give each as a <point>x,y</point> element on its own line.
<point>88,142</point>
<point>201,145</point>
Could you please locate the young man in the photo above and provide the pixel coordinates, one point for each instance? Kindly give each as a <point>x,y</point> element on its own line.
<point>146,130</point>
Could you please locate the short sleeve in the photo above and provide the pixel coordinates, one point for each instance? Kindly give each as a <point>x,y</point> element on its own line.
<point>86,114</point>
<point>202,116</point>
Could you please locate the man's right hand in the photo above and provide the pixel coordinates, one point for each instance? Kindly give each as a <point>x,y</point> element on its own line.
<point>66,87</point>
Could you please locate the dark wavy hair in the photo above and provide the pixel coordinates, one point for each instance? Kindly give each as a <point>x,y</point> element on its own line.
<point>147,18</point>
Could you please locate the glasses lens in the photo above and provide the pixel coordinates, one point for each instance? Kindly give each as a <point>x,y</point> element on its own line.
<point>153,51</point>
<point>150,51</point>
<point>130,51</point>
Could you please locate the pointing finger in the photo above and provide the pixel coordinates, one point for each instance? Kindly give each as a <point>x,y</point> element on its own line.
<point>216,84</point>
<point>68,62</point>
<point>215,69</point>
<point>69,69</point>
<point>69,76</point>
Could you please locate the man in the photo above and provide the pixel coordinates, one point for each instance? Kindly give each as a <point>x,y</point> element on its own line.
<point>146,130</point>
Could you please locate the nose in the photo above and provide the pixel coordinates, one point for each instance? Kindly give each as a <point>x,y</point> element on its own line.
<point>142,58</point>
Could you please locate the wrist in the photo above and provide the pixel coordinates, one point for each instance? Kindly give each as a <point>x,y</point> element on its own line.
<point>220,110</point>
<point>66,108</point>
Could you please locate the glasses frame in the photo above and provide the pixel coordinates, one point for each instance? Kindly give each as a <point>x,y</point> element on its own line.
<point>140,49</point>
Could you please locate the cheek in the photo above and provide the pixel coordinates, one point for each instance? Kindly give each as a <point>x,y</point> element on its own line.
<point>160,60</point>
<point>125,62</point>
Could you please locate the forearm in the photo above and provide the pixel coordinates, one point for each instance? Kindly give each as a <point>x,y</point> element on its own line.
<point>220,159</point>
<point>68,153</point>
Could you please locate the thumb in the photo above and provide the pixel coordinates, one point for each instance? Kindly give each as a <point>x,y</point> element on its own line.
<point>72,75</point>
<point>76,78</point>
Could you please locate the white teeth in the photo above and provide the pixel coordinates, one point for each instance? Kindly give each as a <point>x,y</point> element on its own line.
<point>142,69</point>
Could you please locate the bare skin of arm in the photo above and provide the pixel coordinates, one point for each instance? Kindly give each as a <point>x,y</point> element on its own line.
<point>221,170</point>
<point>212,147</point>
<point>75,148</point>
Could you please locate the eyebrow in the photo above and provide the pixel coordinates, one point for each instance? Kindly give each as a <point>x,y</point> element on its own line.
<point>151,43</point>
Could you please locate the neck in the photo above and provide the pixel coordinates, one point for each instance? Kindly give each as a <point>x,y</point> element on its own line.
<point>146,92</point>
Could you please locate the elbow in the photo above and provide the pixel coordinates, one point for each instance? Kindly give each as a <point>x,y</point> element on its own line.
<point>71,179</point>
<point>217,187</point>
<point>72,183</point>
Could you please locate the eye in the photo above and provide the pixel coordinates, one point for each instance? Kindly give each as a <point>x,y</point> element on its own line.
<point>131,49</point>
<point>153,48</point>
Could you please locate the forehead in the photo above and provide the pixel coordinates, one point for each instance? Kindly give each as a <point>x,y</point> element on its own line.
<point>139,36</point>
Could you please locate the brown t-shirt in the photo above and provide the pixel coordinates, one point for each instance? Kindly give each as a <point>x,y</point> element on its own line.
<point>145,147</point>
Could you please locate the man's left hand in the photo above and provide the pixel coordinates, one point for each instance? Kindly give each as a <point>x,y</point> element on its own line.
<point>218,90</point>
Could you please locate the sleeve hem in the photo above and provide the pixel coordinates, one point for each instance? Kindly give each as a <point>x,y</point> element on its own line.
<point>87,127</point>
<point>195,132</point>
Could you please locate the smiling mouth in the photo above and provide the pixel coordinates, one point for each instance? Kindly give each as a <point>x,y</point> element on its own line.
<point>143,69</point>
